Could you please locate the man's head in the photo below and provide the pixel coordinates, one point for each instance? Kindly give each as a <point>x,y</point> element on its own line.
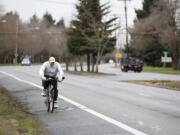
<point>52,60</point>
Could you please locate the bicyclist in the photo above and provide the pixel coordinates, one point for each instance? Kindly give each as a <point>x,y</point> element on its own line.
<point>51,69</point>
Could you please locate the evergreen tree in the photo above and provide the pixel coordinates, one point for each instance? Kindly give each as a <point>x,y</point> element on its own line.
<point>34,19</point>
<point>91,35</point>
<point>48,19</point>
<point>34,22</point>
<point>60,23</point>
<point>146,10</point>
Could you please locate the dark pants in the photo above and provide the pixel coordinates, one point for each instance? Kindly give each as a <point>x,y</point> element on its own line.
<point>45,84</point>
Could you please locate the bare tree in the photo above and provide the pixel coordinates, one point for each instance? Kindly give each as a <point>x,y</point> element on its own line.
<point>167,12</point>
<point>162,25</point>
<point>8,37</point>
<point>29,39</point>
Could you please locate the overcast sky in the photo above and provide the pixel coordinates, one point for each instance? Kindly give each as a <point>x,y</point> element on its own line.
<point>65,8</point>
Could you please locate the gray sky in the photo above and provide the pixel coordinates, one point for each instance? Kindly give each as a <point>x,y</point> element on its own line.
<point>65,9</point>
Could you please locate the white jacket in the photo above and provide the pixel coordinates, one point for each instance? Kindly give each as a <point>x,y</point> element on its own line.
<point>52,71</point>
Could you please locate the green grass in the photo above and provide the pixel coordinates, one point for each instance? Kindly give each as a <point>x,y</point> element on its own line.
<point>14,119</point>
<point>3,65</point>
<point>161,70</point>
<point>10,64</point>
<point>88,73</point>
<point>172,85</point>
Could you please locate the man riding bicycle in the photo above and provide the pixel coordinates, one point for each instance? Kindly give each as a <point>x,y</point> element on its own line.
<point>51,69</point>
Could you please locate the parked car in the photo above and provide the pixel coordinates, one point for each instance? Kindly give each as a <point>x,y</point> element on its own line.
<point>111,61</point>
<point>26,61</point>
<point>132,64</point>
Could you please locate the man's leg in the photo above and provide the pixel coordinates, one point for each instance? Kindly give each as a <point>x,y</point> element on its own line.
<point>45,86</point>
<point>55,90</point>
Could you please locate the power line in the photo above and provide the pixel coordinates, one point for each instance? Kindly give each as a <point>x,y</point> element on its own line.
<point>56,2</point>
<point>65,3</point>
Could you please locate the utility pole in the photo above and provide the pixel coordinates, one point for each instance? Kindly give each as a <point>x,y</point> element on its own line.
<point>16,48</point>
<point>126,25</point>
<point>127,37</point>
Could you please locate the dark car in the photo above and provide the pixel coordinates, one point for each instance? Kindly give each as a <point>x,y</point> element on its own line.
<point>26,62</point>
<point>132,64</point>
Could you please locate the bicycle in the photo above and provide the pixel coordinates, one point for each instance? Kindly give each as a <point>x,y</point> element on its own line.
<point>49,101</point>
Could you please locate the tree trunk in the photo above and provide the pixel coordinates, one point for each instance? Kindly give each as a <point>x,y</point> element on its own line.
<point>67,64</point>
<point>178,64</point>
<point>97,70</point>
<point>75,65</point>
<point>93,62</point>
<point>176,57</point>
<point>88,62</point>
<point>97,62</point>
<point>81,64</point>
<point>33,59</point>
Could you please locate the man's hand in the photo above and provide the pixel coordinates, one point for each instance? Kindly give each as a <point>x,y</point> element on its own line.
<point>61,79</point>
<point>43,78</point>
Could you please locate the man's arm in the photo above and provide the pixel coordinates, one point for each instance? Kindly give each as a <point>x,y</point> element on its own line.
<point>41,71</point>
<point>60,71</point>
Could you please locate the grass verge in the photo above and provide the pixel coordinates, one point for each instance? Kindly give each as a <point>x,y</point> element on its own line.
<point>172,85</point>
<point>3,65</point>
<point>161,70</point>
<point>14,120</point>
<point>89,73</point>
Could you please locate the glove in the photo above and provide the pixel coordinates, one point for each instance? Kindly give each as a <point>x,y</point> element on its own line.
<point>43,78</point>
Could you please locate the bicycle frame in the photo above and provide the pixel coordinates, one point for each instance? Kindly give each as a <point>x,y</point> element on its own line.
<point>50,96</point>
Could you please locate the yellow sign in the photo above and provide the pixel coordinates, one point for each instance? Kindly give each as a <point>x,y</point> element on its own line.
<point>118,55</point>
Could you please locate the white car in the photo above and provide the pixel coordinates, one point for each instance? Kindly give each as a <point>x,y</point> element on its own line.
<point>26,62</point>
<point>111,61</point>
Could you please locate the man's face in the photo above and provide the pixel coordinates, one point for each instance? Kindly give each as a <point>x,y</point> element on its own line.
<point>52,63</point>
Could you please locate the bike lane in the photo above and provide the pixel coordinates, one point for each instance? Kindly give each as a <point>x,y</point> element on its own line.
<point>67,120</point>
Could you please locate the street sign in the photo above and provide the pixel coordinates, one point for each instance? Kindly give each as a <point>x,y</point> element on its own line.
<point>166,59</point>
<point>117,55</point>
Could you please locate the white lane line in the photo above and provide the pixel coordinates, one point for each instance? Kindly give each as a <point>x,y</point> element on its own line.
<point>106,118</point>
<point>82,107</point>
<point>145,95</point>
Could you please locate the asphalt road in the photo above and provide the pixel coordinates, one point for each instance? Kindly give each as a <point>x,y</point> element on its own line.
<point>97,105</point>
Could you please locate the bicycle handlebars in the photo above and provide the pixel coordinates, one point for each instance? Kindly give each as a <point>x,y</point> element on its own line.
<point>51,79</point>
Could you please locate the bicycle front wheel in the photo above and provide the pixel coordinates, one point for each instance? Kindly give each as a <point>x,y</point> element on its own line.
<point>52,101</point>
<point>48,105</point>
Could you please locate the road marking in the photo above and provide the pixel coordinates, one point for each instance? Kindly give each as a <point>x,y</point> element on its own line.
<point>157,128</point>
<point>140,123</point>
<point>145,95</point>
<point>82,107</point>
<point>106,118</point>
